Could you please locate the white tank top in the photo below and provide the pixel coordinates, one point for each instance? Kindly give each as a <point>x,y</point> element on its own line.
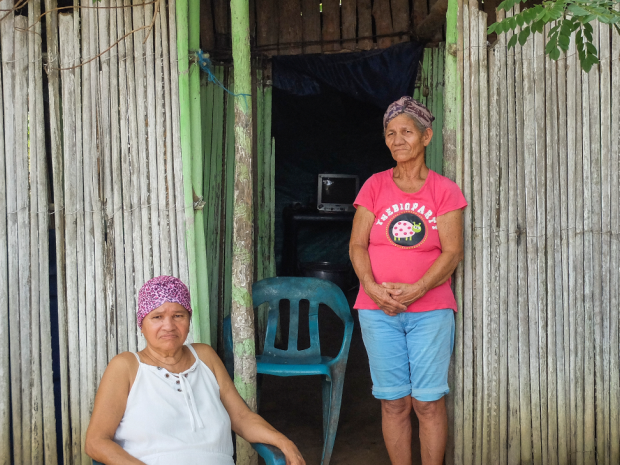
<point>176,418</point>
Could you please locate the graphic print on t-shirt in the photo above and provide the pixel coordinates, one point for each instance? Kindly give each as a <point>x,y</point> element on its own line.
<point>406,230</point>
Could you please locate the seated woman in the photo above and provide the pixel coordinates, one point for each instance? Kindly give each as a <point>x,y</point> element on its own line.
<point>172,403</point>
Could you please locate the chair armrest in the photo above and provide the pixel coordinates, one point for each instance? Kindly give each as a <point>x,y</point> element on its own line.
<point>271,454</point>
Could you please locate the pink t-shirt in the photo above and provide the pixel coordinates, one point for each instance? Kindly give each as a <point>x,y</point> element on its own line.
<point>404,241</point>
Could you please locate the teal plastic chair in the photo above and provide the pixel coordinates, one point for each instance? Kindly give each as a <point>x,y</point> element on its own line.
<point>272,455</point>
<point>294,362</point>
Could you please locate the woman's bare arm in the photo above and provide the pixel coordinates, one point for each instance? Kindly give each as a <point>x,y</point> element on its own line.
<point>250,426</point>
<point>110,403</point>
<point>450,229</point>
<point>358,251</point>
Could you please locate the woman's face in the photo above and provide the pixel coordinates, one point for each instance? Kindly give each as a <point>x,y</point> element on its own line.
<point>405,140</point>
<point>166,327</point>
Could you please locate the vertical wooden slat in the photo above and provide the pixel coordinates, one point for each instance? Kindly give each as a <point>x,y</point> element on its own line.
<point>571,144</point>
<point>597,401</point>
<point>163,226</point>
<point>68,55</point>
<point>503,231</point>
<point>169,150</point>
<point>364,24</point>
<point>36,281</point>
<point>478,314</point>
<point>420,12</point>
<point>221,16</point>
<point>349,23</point>
<point>563,323</point>
<point>311,25</point>
<point>57,169</point>
<point>513,436</point>
<point>540,393</point>
<point>176,145</point>
<point>589,422</point>
<point>331,25</point>
<point>227,202</point>
<point>7,37</point>
<point>383,22</point>
<point>603,369</point>
<point>466,443</point>
<point>529,380</point>
<point>290,26</point>
<point>152,154</point>
<point>207,31</point>
<point>614,356</point>
<point>23,227</point>
<point>124,209</point>
<point>492,203</point>
<point>5,373</point>
<point>553,287</point>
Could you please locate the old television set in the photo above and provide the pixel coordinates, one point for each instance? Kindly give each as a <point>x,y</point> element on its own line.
<point>336,192</point>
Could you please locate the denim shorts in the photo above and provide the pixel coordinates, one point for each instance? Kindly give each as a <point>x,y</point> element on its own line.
<point>409,353</point>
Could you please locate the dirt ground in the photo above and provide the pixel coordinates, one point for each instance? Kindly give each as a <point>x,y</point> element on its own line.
<point>293,405</point>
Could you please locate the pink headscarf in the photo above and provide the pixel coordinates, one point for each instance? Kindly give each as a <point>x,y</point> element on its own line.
<point>411,107</point>
<point>162,289</point>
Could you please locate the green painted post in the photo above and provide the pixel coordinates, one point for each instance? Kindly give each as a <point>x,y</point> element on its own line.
<point>197,175</point>
<point>182,12</point>
<point>243,249</point>
<point>453,169</point>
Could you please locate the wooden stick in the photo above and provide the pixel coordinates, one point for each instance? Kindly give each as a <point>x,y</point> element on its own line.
<point>514,437</point>
<point>176,145</point>
<point>290,25</point>
<point>596,400</point>
<point>614,301</point>
<point>561,259</point>
<point>589,423</point>
<point>57,169</point>
<point>164,226</point>
<point>571,146</point>
<point>529,384</point>
<point>604,442</point>
<point>311,25</point>
<point>466,443</point>
<point>364,20</point>
<point>492,216</point>
<point>486,236</point>
<point>23,227</point>
<point>125,175</point>
<point>143,154</point>
<point>152,154</point>
<point>169,180</point>
<point>349,22</point>
<point>35,132</point>
<point>504,276</point>
<point>5,372</point>
<point>331,24</point>
<point>563,323</point>
<point>553,287</point>
<point>105,173</point>
<point>68,58</point>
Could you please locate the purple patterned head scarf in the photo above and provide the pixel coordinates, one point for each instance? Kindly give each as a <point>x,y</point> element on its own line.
<point>162,289</point>
<point>411,107</point>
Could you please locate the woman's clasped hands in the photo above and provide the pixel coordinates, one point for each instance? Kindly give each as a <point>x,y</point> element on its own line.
<point>394,298</point>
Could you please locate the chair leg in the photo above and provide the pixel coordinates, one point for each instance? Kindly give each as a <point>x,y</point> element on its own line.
<point>331,421</point>
<point>327,400</point>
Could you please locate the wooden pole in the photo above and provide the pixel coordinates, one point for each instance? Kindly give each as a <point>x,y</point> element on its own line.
<point>242,266</point>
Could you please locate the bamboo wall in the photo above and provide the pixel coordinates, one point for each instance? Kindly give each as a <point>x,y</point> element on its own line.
<point>117,205</point>
<point>536,355</point>
<point>429,90</point>
<point>26,383</point>
<point>219,157</point>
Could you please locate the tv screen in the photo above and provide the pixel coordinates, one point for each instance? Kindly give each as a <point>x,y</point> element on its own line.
<point>337,192</point>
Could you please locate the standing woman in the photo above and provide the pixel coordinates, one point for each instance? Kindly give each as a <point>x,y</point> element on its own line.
<point>406,242</point>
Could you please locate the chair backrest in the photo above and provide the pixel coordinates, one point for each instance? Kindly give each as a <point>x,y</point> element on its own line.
<point>316,291</point>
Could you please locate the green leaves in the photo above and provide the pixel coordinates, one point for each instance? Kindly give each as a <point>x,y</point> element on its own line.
<point>571,17</point>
